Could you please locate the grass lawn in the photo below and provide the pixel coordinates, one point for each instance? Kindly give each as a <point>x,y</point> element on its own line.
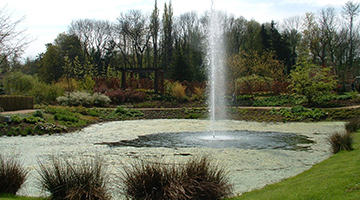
<point>335,178</point>
<point>12,197</point>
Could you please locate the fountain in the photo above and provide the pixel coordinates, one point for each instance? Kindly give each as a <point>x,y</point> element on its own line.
<point>216,69</point>
<point>217,136</point>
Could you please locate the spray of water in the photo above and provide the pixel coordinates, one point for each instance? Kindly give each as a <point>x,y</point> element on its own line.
<point>216,68</point>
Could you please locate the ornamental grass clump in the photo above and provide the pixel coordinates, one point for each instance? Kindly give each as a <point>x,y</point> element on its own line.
<point>341,142</point>
<point>353,125</point>
<point>12,174</point>
<point>148,181</point>
<point>178,91</point>
<point>199,178</point>
<point>202,179</point>
<point>67,180</point>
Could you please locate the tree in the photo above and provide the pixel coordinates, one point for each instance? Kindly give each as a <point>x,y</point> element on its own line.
<point>51,64</point>
<point>94,36</point>
<point>155,28</point>
<point>350,12</point>
<point>251,67</point>
<point>311,80</point>
<point>12,40</point>
<point>311,37</point>
<point>168,38</point>
<point>136,28</point>
<point>327,23</point>
<point>235,36</point>
<point>291,31</point>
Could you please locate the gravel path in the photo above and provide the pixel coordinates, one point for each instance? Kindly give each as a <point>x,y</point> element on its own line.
<point>250,169</point>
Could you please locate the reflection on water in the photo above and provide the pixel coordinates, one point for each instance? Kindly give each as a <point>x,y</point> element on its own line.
<point>223,139</point>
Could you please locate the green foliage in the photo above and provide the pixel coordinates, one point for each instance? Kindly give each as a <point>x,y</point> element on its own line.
<point>87,83</point>
<point>126,113</point>
<point>18,83</point>
<point>12,174</point>
<point>93,112</point>
<point>299,113</point>
<point>46,93</point>
<point>21,84</point>
<point>311,81</point>
<point>33,120</point>
<point>28,131</point>
<point>16,119</point>
<point>14,197</point>
<point>66,117</point>
<point>280,100</point>
<point>39,114</point>
<point>51,64</point>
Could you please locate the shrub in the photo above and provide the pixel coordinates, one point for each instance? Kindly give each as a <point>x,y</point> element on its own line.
<point>197,179</point>
<point>82,180</point>
<point>135,96</point>
<point>66,118</point>
<point>100,99</point>
<point>12,175</point>
<point>124,112</point>
<point>45,93</point>
<point>340,142</point>
<point>16,119</point>
<point>87,83</point>
<point>41,128</point>
<point>39,114</point>
<point>198,94</point>
<point>116,96</point>
<point>83,99</point>
<point>32,119</point>
<point>18,83</point>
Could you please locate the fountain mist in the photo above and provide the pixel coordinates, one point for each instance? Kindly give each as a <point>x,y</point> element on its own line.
<point>216,69</point>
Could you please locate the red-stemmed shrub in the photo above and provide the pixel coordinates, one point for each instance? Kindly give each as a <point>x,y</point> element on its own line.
<point>116,96</point>
<point>101,88</point>
<point>135,96</point>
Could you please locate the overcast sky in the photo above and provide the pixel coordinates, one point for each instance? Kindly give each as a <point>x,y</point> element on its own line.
<point>46,19</point>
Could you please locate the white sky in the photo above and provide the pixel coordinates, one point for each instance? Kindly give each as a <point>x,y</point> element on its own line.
<point>46,19</point>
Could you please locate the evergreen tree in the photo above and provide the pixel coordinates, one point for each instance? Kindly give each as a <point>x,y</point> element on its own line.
<point>168,39</point>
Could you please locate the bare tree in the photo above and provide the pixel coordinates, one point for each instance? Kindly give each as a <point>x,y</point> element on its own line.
<point>350,12</point>
<point>328,30</point>
<point>136,28</point>
<point>93,34</point>
<point>12,40</point>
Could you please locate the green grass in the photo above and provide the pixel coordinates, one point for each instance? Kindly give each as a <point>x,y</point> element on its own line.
<point>12,197</point>
<point>335,178</point>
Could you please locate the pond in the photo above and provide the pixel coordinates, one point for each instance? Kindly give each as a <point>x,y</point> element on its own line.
<point>250,168</point>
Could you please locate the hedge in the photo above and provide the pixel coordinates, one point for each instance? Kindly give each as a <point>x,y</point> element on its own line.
<point>11,103</point>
